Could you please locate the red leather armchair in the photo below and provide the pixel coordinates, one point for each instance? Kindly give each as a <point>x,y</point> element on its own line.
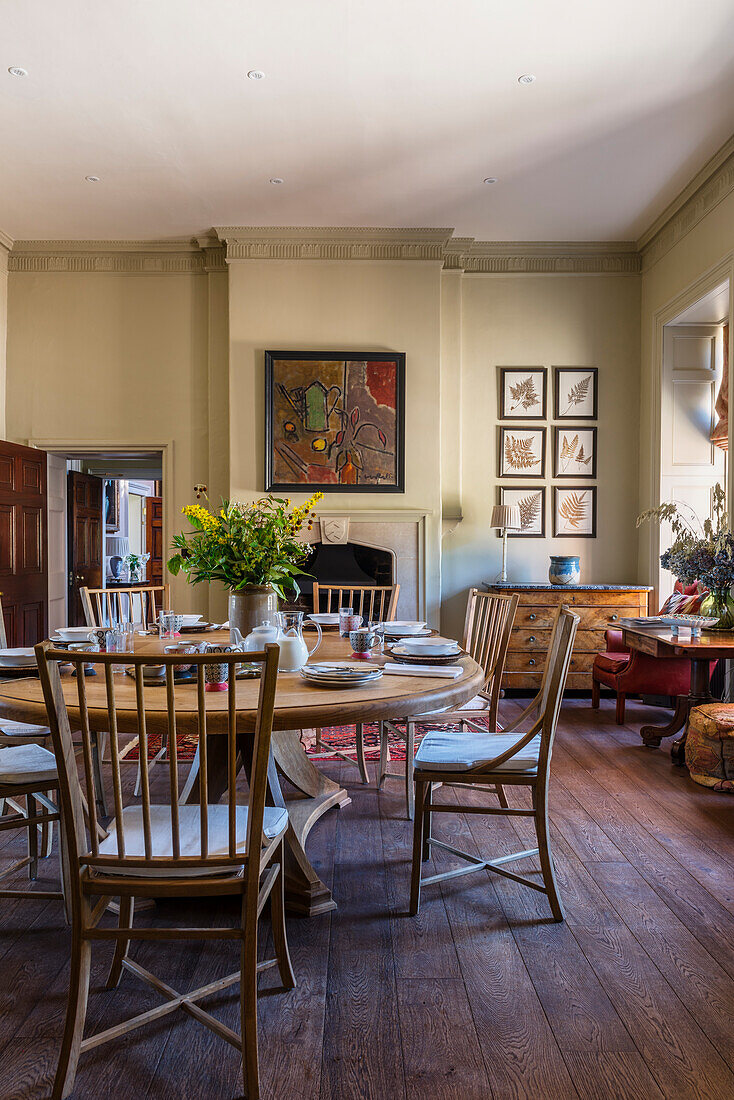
<point>629,672</point>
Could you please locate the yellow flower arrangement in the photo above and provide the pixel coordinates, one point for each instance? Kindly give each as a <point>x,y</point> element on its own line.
<point>259,543</point>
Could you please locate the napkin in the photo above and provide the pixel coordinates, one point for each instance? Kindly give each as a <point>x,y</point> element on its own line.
<point>449,672</point>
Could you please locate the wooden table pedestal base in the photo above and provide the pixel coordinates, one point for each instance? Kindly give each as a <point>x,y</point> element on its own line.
<point>700,693</point>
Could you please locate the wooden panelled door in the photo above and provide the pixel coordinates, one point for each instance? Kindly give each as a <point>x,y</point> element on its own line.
<point>86,552</point>
<point>154,538</point>
<point>23,550</point>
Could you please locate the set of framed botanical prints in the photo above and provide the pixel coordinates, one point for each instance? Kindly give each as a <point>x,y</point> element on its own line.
<point>523,400</point>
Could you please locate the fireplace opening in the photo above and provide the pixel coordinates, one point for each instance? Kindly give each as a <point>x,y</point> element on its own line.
<point>348,563</point>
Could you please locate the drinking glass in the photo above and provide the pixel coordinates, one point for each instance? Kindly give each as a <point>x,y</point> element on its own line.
<point>167,624</point>
<point>121,640</point>
<point>376,627</point>
<point>345,614</point>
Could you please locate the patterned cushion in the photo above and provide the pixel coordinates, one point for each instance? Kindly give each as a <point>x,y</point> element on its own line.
<point>686,602</point>
<point>713,720</point>
<point>612,662</point>
<point>710,760</point>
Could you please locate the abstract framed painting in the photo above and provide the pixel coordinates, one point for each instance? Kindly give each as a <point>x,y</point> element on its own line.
<point>574,512</point>
<point>574,452</point>
<point>522,452</point>
<point>575,393</point>
<point>523,393</point>
<point>335,421</point>
<point>531,502</point>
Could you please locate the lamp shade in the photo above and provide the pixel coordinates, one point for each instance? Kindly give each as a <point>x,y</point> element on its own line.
<point>506,517</point>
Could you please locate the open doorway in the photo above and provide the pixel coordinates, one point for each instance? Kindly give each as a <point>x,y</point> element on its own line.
<point>694,409</point>
<point>105,525</point>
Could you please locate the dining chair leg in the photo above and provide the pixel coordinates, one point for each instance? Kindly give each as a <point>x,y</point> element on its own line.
<point>47,834</point>
<point>98,747</point>
<point>415,874</point>
<point>545,855</point>
<point>595,693</point>
<point>409,769</point>
<point>384,754</point>
<point>621,697</point>
<point>361,761</point>
<point>127,905</point>
<point>500,792</point>
<point>76,1011</point>
<point>190,779</point>
<point>277,916</point>
<point>32,811</point>
<point>248,1004</point>
<point>426,853</point>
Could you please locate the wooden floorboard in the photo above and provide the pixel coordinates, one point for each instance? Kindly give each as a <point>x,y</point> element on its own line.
<point>481,997</point>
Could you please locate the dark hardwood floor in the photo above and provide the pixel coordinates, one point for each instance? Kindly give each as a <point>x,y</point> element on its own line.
<point>481,996</point>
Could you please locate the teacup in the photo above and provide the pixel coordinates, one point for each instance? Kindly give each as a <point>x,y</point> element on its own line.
<point>179,649</point>
<point>362,641</point>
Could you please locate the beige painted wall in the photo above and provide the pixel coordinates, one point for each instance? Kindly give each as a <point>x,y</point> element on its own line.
<point>524,320</point>
<point>3,332</point>
<point>348,306</point>
<point>695,264</point>
<point>115,359</point>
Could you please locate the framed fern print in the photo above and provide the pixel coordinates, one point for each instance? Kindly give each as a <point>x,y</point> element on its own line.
<point>523,393</point>
<point>574,512</point>
<point>531,502</point>
<point>574,452</point>
<point>575,393</point>
<point>522,452</point>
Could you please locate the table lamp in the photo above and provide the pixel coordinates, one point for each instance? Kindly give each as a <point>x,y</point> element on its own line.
<point>507,518</point>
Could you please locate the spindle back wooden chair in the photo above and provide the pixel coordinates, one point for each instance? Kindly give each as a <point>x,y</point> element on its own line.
<point>375,603</point>
<point>3,635</point>
<point>163,849</point>
<point>137,604</point>
<point>507,758</point>
<point>487,629</point>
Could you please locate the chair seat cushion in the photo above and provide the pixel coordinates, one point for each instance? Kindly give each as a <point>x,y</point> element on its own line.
<point>612,662</point>
<point>22,729</point>
<point>275,822</point>
<point>456,752</point>
<point>713,719</point>
<point>27,764</point>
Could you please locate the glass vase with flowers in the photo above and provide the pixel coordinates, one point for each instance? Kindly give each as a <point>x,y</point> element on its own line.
<point>255,549</point>
<point>702,552</point>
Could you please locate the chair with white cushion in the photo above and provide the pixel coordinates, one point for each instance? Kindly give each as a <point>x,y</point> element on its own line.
<point>487,629</point>
<point>159,848</point>
<point>509,758</point>
<point>28,771</point>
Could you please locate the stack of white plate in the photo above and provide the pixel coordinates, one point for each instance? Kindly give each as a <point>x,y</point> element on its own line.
<point>17,658</point>
<point>434,646</point>
<point>340,673</point>
<point>325,618</point>
<point>403,628</point>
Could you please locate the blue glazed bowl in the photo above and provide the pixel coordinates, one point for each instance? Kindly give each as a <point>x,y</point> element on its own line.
<point>564,569</point>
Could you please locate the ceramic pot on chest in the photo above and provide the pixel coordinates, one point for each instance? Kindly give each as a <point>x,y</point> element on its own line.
<point>251,606</point>
<point>564,569</point>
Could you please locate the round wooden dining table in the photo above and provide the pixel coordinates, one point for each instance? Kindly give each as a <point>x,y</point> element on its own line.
<point>298,705</point>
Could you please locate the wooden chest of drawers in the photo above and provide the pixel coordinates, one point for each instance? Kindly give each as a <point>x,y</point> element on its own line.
<point>599,607</point>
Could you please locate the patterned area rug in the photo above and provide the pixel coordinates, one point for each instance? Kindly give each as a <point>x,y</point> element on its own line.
<point>342,738</point>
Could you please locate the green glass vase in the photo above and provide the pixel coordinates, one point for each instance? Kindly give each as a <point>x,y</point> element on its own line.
<point>720,605</point>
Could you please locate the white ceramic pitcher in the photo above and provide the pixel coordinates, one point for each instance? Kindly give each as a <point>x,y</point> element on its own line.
<point>293,650</point>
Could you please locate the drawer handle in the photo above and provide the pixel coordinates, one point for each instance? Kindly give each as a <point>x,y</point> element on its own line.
<point>531,661</point>
<point>614,618</point>
<point>532,638</point>
<point>532,617</point>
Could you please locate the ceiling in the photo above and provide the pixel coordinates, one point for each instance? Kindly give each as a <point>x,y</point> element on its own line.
<point>373,112</point>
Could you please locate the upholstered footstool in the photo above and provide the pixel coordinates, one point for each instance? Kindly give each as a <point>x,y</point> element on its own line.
<point>710,746</point>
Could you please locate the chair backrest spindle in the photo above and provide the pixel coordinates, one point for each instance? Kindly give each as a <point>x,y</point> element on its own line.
<point>373,601</point>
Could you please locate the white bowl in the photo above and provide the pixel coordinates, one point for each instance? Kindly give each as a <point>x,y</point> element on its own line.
<point>17,658</point>
<point>75,633</point>
<point>191,620</point>
<point>431,647</point>
<point>326,618</point>
<point>403,626</point>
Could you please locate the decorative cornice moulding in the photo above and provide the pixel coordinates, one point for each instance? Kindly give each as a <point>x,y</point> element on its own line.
<point>173,257</point>
<point>6,241</point>
<point>548,258</point>
<point>332,243</point>
<point>705,191</point>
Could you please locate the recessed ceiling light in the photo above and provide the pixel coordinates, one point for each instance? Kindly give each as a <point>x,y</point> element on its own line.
<point>15,70</point>
<point>491,179</point>
<point>526,78</point>
<point>92,179</point>
<point>256,74</point>
<point>276,179</point>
